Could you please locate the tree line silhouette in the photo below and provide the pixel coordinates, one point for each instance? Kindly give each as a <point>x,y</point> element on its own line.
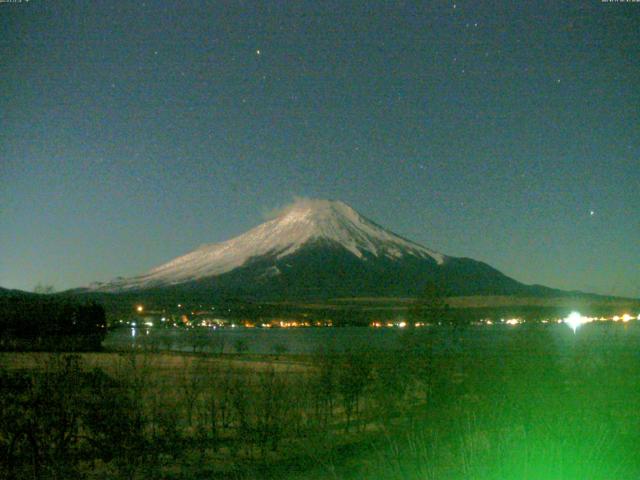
<point>35,322</point>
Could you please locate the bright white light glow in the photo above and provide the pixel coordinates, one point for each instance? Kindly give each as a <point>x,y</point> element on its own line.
<point>574,320</point>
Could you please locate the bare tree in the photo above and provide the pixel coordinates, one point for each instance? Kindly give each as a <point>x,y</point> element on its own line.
<point>270,406</point>
<point>324,386</point>
<point>240,400</point>
<point>353,376</point>
<point>191,385</point>
<point>44,289</point>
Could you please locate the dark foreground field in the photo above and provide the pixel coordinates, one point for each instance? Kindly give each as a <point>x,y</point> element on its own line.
<point>527,407</point>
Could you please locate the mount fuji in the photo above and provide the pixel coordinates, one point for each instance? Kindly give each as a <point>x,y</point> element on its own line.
<point>317,249</point>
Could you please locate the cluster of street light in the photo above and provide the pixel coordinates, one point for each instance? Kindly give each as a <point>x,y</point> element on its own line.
<point>574,320</point>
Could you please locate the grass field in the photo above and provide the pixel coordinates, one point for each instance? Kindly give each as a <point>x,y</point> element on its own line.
<point>527,407</point>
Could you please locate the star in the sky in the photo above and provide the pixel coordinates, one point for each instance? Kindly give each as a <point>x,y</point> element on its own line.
<point>258,52</point>
<point>592,213</point>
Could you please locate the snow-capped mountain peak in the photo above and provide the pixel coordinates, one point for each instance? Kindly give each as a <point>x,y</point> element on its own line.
<point>297,225</point>
<point>337,221</point>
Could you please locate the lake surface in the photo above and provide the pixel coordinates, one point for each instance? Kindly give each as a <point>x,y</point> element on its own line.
<point>599,336</point>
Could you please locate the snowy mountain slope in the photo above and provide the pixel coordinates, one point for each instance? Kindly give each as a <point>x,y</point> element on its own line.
<point>305,223</point>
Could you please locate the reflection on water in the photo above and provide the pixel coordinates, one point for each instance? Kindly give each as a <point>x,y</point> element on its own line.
<point>311,340</point>
<point>253,340</point>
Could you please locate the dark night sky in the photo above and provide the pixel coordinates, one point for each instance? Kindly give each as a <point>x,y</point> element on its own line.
<point>132,132</point>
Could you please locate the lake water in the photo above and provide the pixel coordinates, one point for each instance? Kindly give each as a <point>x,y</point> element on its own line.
<point>310,340</point>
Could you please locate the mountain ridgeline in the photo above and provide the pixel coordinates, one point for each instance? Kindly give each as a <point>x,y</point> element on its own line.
<point>317,249</point>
